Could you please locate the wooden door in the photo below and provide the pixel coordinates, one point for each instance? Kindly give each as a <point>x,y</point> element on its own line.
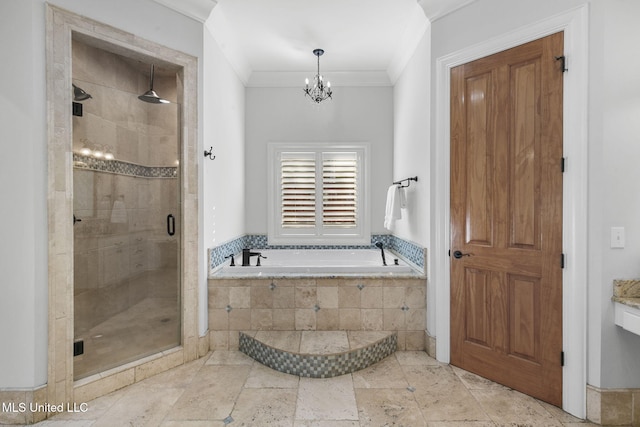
<point>506,218</point>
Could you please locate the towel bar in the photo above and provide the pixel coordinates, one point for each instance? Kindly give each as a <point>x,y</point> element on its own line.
<point>413,178</point>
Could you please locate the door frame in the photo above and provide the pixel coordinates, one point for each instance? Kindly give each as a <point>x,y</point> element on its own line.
<point>61,27</point>
<point>574,23</point>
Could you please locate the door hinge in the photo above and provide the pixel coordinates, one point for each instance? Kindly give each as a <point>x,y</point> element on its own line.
<point>563,164</point>
<point>563,61</point>
<point>562,260</point>
<point>562,358</point>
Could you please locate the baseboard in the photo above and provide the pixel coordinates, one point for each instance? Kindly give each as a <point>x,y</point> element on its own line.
<point>613,407</point>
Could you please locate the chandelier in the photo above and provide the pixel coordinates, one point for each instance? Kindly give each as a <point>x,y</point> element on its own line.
<point>319,92</point>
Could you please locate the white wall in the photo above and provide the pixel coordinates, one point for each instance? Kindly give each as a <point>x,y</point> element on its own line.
<point>356,114</point>
<point>23,247</point>
<point>223,207</point>
<point>412,151</point>
<point>614,178</point>
<point>411,142</point>
<point>23,173</point>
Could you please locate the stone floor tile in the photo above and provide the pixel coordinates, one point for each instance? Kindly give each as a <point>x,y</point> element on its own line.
<point>388,407</point>
<point>58,422</point>
<point>264,377</point>
<point>506,407</point>
<point>229,357</point>
<point>140,406</point>
<point>476,382</point>
<point>428,377</point>
<point>95,408</point>
<point>264,407</point>
<point>559,414</point>
<point>449,404</point>
<point>178,377</point>
<point>320,423</point>
<point>184,423</point>
<point>461,424</point>
<point>326,399</point>
<point>412,358</point>
<point>227,385</point>
<point>211,395</point>
<point>385,374</point>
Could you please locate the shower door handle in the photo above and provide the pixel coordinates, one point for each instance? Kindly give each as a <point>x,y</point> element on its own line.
<point>171,225</point>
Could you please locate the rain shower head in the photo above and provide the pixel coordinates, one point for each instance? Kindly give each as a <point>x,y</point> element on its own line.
<point>79,94</point>
<point>151,96</point>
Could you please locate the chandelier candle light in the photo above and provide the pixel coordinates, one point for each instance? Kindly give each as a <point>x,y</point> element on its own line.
<point>319,92</point>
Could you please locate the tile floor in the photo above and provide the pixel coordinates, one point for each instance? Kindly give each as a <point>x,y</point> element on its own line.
<point>227,388</point>
<point>149,327</point>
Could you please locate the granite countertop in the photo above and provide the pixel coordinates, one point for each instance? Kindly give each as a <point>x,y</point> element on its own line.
<point>627,292</point>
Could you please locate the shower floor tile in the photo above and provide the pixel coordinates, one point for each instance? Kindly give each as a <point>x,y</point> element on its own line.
<point>148,327</point>
<point>226,388</point>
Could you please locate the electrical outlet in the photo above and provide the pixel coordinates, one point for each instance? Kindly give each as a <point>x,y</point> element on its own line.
<point>617,237</point>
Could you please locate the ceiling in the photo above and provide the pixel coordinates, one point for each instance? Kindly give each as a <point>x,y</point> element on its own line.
<point>270,42</point>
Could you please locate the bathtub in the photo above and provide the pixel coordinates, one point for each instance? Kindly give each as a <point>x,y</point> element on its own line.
<point>316,262</point>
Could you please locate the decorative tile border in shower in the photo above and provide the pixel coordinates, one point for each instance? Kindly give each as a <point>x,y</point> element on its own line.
<point>318,365</point>
<point>409,251</point>
<point>123,168</point>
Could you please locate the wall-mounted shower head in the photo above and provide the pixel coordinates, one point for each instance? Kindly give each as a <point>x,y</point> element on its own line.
<point>79,94</point>
<point>151,96</point>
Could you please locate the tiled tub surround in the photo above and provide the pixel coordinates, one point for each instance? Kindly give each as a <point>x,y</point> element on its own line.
<point>409,252</point>
<point>366,303</point>
<point>324,354</point>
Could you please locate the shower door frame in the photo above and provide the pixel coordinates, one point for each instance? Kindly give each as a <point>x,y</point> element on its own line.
<point>61,25</point>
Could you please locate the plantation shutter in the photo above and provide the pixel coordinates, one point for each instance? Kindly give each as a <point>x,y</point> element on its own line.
<point>298,189</point>
<point>339,189</point>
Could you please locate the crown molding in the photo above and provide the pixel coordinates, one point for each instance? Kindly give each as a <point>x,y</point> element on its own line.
<point>194,9</point>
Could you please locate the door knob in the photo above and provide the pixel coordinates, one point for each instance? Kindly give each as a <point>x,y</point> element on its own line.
<point>458,254</point>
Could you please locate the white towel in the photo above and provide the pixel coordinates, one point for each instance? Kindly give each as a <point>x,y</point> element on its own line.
<point>403,198</point>
<point>394,202</point>
<point>119,212</point>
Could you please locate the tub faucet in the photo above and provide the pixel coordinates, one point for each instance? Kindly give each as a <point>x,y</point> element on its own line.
<point>233,261</point>
<point>246,256</point>
<point>380,246</point>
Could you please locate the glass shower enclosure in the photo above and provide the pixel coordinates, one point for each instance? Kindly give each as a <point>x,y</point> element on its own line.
<point>126,199</point>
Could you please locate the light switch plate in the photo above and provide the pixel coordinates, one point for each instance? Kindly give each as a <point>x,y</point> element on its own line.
<point>617,237</point>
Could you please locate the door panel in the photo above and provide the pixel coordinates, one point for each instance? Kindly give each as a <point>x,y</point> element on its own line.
<point>506,217</point>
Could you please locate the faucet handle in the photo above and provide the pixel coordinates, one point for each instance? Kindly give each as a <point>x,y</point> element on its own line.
<point>233,261</point>
<point>260,256</point>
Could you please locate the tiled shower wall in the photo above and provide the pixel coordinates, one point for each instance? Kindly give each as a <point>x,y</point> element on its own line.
<point>122,203</point>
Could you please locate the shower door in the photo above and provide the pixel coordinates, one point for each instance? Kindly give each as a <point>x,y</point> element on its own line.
<point>126,214</point>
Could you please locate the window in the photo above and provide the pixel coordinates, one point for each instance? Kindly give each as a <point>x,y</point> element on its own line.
<point>317,194</point>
